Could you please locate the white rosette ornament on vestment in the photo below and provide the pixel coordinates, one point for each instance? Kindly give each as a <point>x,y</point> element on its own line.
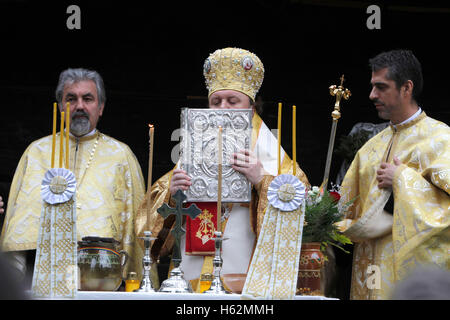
<point>55,270</point>
<point>274,268</point>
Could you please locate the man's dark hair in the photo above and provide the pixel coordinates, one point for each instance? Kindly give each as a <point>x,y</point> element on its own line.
<point>402,66</point>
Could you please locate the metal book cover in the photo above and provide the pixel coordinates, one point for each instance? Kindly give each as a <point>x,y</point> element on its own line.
<point>199,152</point>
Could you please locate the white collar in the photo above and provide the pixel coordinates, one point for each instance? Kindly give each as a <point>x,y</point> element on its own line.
<point>86,135</point>
<point>415,115</point>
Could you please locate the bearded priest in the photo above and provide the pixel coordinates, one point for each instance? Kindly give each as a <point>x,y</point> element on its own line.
<point>109,181</point>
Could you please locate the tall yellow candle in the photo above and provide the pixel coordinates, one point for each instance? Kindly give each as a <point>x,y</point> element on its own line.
<point>279,138</point>
<point>151,132</point>
<point>294,138</point>
<point>219,181</point>
<point>54,133</point>
<point>67,133</point>
<point>61,141</point>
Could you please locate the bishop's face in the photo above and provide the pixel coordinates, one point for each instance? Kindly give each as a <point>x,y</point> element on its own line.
<point>385,95</point>
<point>229,99</point>
<point>84,106</point>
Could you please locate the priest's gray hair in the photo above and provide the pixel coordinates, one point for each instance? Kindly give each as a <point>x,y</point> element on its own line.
<point>71,76</point>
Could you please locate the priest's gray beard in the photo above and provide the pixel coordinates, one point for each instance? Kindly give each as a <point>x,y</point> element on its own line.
<point>79,126</point>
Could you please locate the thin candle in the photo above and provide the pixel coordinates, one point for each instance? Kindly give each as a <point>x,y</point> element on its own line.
<point>55,111</point>
<point>294,138</point>
<point>61,141</point>
<point>219,181</point>
<point>67,133</point>
<point>151,132</point>
<point>279,138</point>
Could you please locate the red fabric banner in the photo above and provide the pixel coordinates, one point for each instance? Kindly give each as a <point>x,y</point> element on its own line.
<point>200,231</point>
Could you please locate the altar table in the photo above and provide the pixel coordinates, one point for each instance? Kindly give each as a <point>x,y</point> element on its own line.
<point>115,295</point>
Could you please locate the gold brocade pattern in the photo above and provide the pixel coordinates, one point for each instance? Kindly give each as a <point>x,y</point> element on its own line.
<point>233,69</point>
<point>206,228</point>
<point>274,269</point>
<point>110,189</point>
<point>56,271</point>
<point>420,233</point>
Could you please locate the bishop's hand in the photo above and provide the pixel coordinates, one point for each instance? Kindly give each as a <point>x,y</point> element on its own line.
<point>246,163</point>
<point>243,161</point>
<point>180,180</point>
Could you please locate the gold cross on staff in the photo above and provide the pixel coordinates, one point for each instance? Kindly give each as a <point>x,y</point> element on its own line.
<point>340,92</point>
<point>342,80</point>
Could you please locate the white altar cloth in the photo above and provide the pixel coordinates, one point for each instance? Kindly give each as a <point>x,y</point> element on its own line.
<point>114,295</point>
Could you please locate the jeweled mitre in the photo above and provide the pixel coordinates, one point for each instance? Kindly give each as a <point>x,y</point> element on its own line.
<point>233,69</point>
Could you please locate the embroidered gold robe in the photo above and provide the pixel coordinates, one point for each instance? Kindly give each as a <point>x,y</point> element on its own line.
<point>267,154</point>
<point>417,233</point>
<point>110,187</point>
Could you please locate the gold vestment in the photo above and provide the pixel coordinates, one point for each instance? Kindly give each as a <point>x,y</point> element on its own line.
<point>417,233</point>
<point>110,187</point>
<point>160,194</point>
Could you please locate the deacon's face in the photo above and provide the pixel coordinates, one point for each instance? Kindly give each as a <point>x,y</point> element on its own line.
<point>229,99</point>
<point>84,107</point>
<point>385,95</point>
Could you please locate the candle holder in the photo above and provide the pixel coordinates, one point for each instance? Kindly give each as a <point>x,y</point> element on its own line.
<point>216,284</point>
<point>176,282</point>
<point>146,283</point>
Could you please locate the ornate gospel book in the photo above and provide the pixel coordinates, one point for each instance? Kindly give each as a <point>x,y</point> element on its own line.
<point>199,152</point>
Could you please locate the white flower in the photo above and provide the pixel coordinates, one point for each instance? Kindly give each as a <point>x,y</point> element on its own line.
<point>314,196</point>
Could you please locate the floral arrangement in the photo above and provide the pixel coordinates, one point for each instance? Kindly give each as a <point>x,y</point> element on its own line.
<point>323,210</point>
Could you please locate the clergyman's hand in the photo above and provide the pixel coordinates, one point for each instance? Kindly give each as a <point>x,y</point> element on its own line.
<point>246,163</point>
<point>180,180</point>
<point>385,174</point>
<point>1,205</point>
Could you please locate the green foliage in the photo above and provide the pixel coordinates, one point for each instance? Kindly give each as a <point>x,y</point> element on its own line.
<point>321,214</point>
